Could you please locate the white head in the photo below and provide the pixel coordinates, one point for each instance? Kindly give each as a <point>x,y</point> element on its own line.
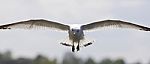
<point>75,29</point>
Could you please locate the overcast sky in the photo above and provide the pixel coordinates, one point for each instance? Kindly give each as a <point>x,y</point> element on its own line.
<point>130,45</point>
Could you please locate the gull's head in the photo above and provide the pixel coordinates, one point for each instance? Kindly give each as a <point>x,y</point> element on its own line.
<point>75,28</point>
<point>75,31</point>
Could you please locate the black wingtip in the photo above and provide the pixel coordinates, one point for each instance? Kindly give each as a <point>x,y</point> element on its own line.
<point>4,28</point>
<point>145,29</point>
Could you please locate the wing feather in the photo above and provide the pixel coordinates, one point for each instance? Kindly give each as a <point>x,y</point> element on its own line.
<point>39,23</point>
<point>114,23</point>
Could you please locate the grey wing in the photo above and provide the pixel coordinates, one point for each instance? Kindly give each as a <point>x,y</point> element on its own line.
<point>115,23</point>
<point>30,24</point>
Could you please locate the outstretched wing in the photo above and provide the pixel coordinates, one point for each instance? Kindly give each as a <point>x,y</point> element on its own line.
<point>30,24</point>
<point>114,23</point>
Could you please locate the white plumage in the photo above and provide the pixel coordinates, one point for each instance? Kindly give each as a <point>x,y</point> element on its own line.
<point>75,31</point>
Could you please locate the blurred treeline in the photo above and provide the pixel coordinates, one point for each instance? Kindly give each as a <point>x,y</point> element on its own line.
<point>69,58</point>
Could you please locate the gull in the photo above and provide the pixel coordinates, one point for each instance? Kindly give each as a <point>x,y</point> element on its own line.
<point>75,31</point>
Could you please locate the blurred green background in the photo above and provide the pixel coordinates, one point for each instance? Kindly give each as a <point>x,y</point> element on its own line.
<point>68,58</point>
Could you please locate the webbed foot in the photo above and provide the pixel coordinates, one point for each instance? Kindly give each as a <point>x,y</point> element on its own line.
<point>78,48</point>
<point>87,44</point>
<point>73,48</point>
<point>66,44</point>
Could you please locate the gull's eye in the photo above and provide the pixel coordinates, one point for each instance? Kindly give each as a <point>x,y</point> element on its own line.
<point>77,30</point>
<point>72,30</point>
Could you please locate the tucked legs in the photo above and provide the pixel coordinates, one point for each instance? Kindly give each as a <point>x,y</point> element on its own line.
<point>73,47</point>
<point>78,46</point>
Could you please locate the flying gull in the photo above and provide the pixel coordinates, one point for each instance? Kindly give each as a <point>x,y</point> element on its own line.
<point>75,31</point>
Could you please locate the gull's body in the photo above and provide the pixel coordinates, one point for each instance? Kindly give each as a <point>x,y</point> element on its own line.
<point>76,32</point>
